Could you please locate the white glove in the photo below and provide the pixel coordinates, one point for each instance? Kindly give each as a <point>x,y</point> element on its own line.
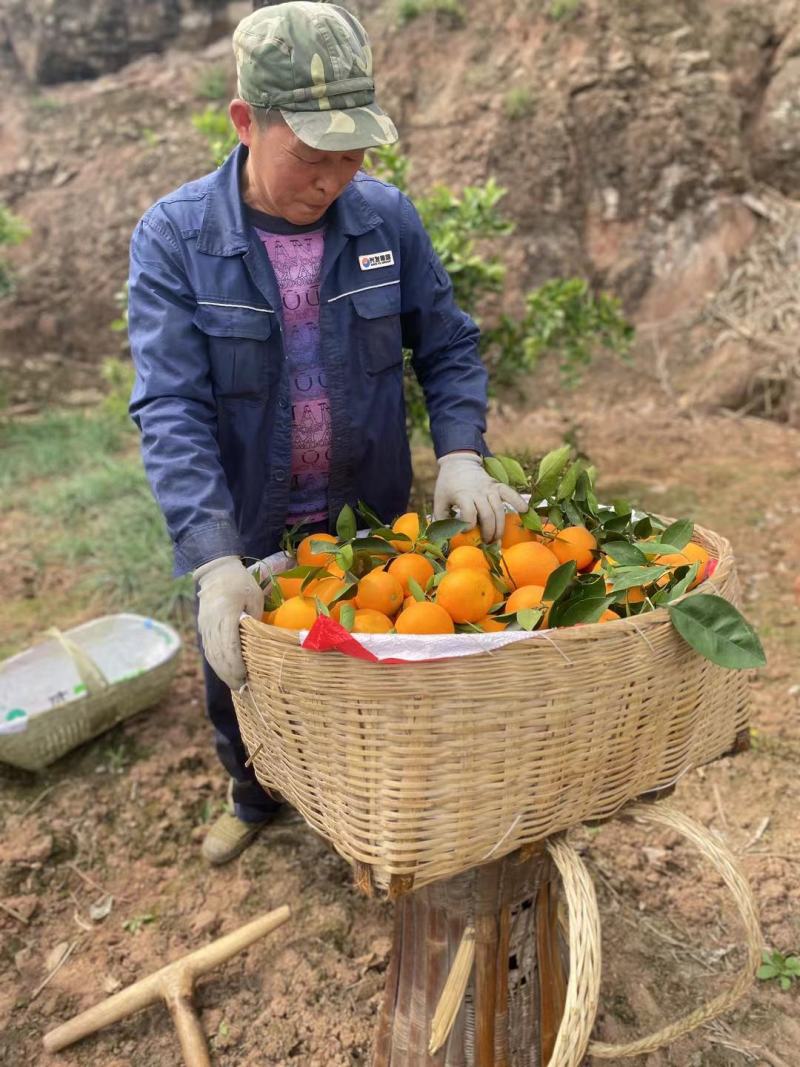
<point>226,589</point>
<point>465,484</point>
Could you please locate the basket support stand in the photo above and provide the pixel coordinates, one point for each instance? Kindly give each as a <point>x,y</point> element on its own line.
<point>476,974</point>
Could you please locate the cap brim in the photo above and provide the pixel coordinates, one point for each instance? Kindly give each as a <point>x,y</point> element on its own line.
<point>342,130</point>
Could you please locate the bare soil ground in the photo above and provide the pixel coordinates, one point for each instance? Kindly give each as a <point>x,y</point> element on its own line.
<point>128,812</point>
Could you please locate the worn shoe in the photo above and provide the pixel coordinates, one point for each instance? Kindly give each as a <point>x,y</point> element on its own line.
<point>228,837</point>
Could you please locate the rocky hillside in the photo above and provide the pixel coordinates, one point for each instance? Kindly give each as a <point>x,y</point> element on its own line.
<point>651,148</point>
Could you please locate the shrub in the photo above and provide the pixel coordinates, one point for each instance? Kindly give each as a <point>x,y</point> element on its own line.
<point>12,232</point>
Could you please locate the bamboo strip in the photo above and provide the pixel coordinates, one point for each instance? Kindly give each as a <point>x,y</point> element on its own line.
<point>453,992</point>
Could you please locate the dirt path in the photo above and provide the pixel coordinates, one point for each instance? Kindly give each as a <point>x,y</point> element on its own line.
<point>129,810</point>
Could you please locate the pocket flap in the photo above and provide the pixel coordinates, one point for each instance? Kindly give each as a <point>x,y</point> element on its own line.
<point>375,303</point>
<point>231,321</point>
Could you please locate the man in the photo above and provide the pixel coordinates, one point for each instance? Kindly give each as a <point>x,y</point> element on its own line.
<point>270,303</point>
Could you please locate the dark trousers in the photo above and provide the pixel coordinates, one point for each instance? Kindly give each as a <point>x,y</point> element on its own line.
<point>250,802</point>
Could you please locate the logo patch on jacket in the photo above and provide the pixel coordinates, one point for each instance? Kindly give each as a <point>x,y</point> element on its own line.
<point>373,260</point>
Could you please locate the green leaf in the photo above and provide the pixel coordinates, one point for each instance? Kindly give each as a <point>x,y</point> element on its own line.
<point>679,534</point>
<point>415,589</point>
<point>346,524</point>
<point>549,472</point>
<point>656,548</point>
<point>573,513</point>
<point>369,515</point>
<point>569,480</point>
<point>767,971</point>
<point>443,529</point>
<point>530,520</point>
<point>322,608</point>
<point>624,553</point>
<point>347,616</point>
<point>559,581</point>
<point>616,523</point>
<point>672,592</point>
<point>643,528</point>
<point>792,965</point>
<point>785,982</point>
<point>585,609</point>
<point>529,617</point>
<point>714,628</point>
<point>374,544</point>
<point>298,572</point>
<point>556,516</point>
<point>495,467</point>
<point>346,557</point>
<point>622,507</point>
<point>328,547</point>
<point>314,572</point>
<point>628,577</point>
<point>516,475</point>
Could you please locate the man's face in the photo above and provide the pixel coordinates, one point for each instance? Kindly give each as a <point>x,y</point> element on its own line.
<point>285,177</point>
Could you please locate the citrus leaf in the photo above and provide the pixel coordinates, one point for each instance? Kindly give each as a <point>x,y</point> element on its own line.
<point>585,609</point>
<point>679,533</point>
<point>369,515</point>
<point>415,589</point>
<point>309,578</point>
<point>516,475</point>
<point>373,544</point>
<point>569,480</point>
<point>323,546</point>
<point>559,581</point>
<point>346,557</point>
<point>715,629</point>
<point>443,529</point>
<point>528,618</point>
<point>347,616</point>
<point>549,472</point>
<point>496,469</point>
<point>643,528</point>
<point>298,572</point>
<point>621,507</point>
<point>656,548</point>
<point>346,524</point>
<point>625,554</point>
<point>556,516</point>
<point>572,513</point>
<point>665,596</point>
<point>616,523</point>
<point>628,577</point>
<point>531,520</point>
<point>322,608</point>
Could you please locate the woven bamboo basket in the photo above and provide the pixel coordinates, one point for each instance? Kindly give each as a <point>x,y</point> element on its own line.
<point>419,771</point>
<point>75,685</point>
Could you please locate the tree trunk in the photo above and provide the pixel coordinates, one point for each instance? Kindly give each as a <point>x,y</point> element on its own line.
<point>514,999</point>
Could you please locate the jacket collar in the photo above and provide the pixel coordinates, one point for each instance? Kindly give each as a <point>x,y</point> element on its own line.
<point>225,232</point>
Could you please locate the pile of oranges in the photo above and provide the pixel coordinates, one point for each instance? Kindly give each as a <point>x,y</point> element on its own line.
<point>422,586</point>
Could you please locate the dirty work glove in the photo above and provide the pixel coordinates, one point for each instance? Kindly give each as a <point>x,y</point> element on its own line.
<point>226,589</point>
<point>465,484</point>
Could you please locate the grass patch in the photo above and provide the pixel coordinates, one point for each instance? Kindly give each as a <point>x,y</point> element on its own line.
<point>86,521</point>
<point>564,10</point>
<point>449,12</point>
<point>519,103</point>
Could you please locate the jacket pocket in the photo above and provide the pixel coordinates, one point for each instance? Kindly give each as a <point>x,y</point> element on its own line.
<point>378,328</point>
<point>238,347</point>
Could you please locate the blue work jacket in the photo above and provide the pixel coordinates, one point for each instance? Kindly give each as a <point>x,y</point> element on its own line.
<point>211,396</point>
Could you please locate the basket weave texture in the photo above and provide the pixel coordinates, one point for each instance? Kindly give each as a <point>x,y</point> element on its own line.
<point>426,769</point>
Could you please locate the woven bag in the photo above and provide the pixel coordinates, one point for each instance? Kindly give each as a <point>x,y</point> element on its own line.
<point>423,770</point>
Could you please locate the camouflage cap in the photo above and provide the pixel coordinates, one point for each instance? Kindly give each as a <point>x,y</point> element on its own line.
<point>313,62</point>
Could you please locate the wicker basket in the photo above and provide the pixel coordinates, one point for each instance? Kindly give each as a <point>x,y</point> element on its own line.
<point>423,770</point>
<point>75,685</point>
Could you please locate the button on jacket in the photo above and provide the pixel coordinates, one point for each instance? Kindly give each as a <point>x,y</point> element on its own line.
<point>211,396</point>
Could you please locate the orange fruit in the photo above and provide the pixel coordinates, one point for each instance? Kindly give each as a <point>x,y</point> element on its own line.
<point>380,591</point>
<point>526,596</point>
<point>689,554</point>
<point>407,524</point>
<point>307,558</point>
<point>368,621</point>
<point>327,589</point>
<point>466,595</point>
<point>574,542</point>
<point>514,533</point>
<point>466,537</point>
<point>467,556</point>
<point>296,613</point>
<point>490,625</point>
<point>288,586</point>
<point>409,600</point>
<point>268,616</point>
<point>548,528</point>
<point>422,617</point>
<point>411,565</point>
<point>608,616</point>
<point>529,563</point>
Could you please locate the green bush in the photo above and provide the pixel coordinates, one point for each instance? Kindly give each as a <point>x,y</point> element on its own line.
<point>450,12</point>
<point>562,318</point>
<point>215,125</point>
<point>518,103</point>
<point>12,232</point>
